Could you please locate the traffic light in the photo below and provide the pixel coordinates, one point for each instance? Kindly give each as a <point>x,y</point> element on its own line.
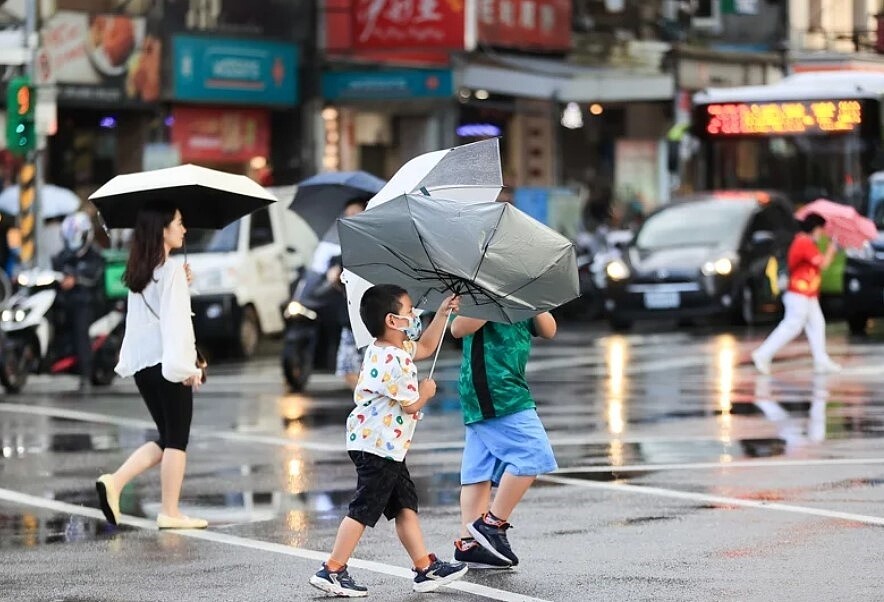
<point>21,99</point>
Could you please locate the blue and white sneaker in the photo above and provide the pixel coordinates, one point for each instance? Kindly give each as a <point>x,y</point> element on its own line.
<point>477,557</point>
<point>436,575</point>
<point>339,583</point>
<point>493,538</point>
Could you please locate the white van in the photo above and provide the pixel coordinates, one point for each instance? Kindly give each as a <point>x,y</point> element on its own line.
<point>242,274</point>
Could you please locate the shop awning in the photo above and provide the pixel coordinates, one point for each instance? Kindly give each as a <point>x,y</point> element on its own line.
<point>547,79</point>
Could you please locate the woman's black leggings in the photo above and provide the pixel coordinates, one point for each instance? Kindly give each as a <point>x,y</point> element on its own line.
<point>170,405</point>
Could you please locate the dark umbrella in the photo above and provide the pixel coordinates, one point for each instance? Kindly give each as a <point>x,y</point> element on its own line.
<point>505,266</point>
<point>320,199</point>
<point>207,198</point>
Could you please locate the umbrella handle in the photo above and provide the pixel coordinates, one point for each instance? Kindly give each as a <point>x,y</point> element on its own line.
<point>439,346</point>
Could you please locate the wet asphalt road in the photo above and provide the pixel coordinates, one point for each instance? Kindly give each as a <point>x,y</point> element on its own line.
<point>684,476</point>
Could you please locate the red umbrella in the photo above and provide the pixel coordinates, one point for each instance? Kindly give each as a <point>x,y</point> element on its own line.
<point>844,224</point>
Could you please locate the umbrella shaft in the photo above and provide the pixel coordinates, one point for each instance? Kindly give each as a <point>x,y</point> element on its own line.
<point>439,346</point>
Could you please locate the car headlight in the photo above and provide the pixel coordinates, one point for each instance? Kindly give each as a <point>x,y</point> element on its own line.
<point>7,315</point>
<point>722,266</point>
<point>865,252</point>
<point>617,270</point>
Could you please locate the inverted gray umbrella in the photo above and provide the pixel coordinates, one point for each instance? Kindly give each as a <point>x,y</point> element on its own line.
<point>505,265</point>
<point>469,173</point>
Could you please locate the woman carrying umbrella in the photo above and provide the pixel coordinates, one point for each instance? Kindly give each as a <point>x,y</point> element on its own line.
<point>159,350</point>
<point>801,301</point>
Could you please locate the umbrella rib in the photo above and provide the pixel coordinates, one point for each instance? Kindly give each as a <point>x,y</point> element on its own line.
<point>439,273</point>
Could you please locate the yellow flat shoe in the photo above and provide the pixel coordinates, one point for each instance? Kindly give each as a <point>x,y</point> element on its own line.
<point>165,521</point>
<point>108,498</point>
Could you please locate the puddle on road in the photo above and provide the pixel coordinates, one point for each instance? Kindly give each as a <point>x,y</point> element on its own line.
<point>28,530</point>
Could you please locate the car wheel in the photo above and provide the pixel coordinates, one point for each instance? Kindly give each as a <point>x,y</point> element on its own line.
<point>857,325</point>
<point>249,333</point>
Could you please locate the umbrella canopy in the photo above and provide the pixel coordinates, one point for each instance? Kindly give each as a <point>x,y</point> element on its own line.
<point>207,198</point>
<point>844,224</point>
<point>470,172</point>
<point>54,201</point>
<point>320,199</point>
<point>506,266</point>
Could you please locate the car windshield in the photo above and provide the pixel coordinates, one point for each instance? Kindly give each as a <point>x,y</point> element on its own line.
<point>701,223</point>
<point>213,241</point>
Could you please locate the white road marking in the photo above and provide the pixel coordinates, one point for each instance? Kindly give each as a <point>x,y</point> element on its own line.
<point>232,540</point>
<point>714,499</point>
<point>595,468</point>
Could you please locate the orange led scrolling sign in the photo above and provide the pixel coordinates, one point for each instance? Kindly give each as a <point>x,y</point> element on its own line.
<point>796,117</point>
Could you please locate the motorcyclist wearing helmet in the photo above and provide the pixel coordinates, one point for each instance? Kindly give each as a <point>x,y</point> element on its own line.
<point>81,289</point>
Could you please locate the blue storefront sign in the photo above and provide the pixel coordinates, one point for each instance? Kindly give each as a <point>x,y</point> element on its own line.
<point>388,84</point>
<point>232,71</point>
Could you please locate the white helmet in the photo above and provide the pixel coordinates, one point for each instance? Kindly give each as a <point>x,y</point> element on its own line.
<point>76,231</point>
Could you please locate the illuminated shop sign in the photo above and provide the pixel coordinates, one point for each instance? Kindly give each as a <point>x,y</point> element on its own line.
<point>796,117</point>
<point>478,130</point>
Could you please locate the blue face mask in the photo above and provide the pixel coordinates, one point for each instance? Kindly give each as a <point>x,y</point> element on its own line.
<point>414,329</point>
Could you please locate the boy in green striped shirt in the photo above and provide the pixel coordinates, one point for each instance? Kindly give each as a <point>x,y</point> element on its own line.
<point>506,444</point>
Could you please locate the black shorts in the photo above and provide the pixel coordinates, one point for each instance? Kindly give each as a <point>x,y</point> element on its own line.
<point>170,405</point>
<point>382,487</point>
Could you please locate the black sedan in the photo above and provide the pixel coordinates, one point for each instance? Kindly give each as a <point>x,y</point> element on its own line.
<point>717,253</point>
<point>864,285</point>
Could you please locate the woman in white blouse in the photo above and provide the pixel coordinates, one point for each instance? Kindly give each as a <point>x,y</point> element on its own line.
<point>159,350</point>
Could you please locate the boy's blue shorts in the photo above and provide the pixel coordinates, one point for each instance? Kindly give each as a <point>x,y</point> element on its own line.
<point>516,443</point>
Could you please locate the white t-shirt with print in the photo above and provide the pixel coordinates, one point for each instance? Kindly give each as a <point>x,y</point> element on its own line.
<point>387,382</point>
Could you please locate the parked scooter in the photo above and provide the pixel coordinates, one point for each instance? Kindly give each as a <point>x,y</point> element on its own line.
<point>33,343</point>
<point>313,320</point>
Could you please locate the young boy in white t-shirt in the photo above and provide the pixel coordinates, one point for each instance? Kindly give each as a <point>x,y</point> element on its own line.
<point>379,432</point>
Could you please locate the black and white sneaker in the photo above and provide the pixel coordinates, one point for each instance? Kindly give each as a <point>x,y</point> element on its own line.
<point>436,575</point>
<point>493,538</point>
<point>477,557</point>
<point>339,583</point>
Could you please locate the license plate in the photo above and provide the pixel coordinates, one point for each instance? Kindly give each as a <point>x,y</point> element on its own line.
<point>662,300</point>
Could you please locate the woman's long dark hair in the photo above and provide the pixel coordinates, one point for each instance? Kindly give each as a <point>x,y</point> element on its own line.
<point>146,252</point>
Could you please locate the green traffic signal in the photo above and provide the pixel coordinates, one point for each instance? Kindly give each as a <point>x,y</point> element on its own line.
<point>21,135</point>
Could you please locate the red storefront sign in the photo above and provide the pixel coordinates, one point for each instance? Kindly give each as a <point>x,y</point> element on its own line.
<point>409,24</point>
<point>219,135</point>
<point>528,24</point>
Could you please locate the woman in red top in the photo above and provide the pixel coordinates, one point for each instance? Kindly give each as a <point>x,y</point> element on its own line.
<point>802,302</point>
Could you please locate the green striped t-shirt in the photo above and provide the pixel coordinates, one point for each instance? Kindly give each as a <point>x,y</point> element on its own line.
<point>492,371</point>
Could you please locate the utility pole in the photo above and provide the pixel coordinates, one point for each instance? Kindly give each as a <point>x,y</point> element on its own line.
<point>30,218</point>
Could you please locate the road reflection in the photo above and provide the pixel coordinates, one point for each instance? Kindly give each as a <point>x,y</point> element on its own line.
<point>616,356</point>
<point>797,428</point>
<point>725,354</point>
